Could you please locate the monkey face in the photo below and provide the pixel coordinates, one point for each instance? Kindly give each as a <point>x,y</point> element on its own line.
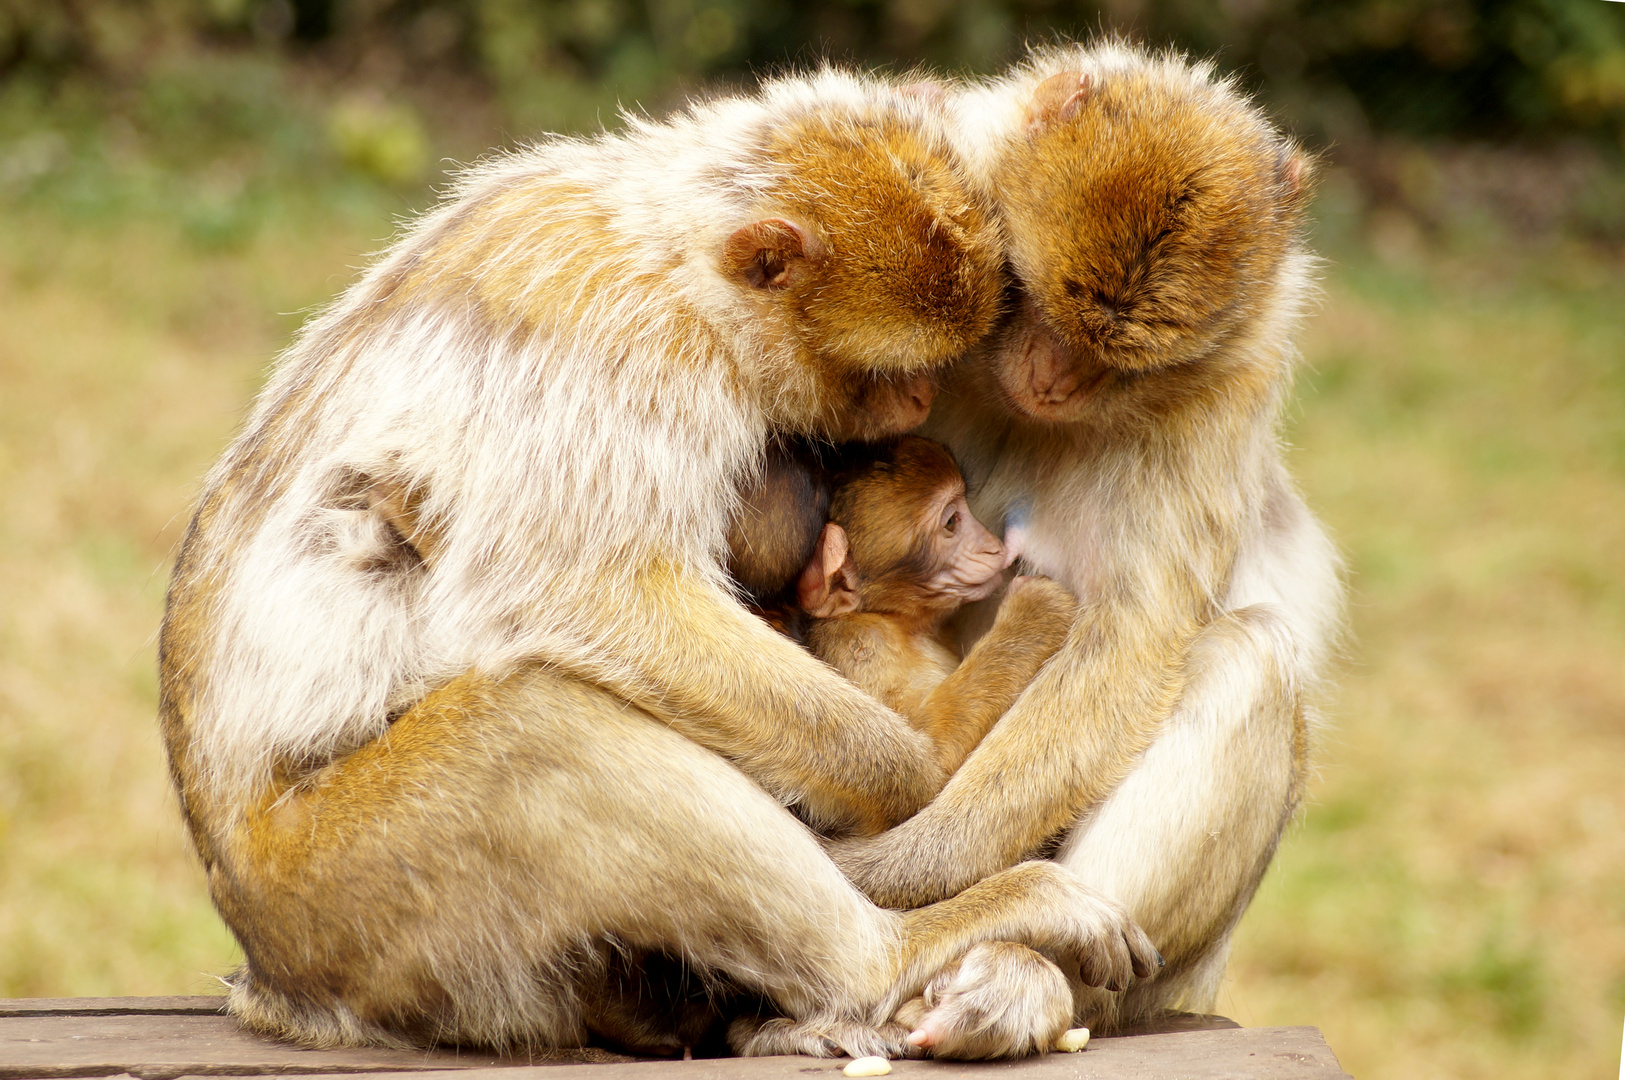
<point>915,546</point>
<point>1144,218</point>
<point>878,266</point>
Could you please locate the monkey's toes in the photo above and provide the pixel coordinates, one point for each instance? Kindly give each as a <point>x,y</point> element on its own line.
<point>1148,961</point>
<point>817,1037</point>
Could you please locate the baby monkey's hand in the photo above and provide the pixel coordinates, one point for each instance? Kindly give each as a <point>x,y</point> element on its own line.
<point>1038,606</point>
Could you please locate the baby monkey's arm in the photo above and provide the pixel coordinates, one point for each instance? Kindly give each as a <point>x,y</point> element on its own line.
<point>1030,627</point>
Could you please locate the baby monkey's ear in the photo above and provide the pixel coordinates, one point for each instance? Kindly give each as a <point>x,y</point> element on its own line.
<point>1058,99</point>
<point>829,585</point>
<point>768,254</point>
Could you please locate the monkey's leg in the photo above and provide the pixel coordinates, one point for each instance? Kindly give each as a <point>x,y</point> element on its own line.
<point>1185,840</point>
<point>456,880</point>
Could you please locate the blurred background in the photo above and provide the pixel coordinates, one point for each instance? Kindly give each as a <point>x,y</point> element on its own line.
<point>183,181</point>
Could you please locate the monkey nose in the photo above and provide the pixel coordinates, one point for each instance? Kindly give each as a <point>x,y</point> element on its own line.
<point>920,393</point>
<point>1052,375</point>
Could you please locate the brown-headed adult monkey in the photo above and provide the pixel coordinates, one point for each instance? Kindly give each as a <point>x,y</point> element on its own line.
<point>1126,416</point>
<point>457,699</point>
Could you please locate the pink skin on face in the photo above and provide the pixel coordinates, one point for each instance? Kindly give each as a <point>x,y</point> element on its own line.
<point>976,560</point>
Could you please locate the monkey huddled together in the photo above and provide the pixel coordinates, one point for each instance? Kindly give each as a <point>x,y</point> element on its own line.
<point>479,741</point>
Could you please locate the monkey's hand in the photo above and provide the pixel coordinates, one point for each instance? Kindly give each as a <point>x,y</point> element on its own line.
<point>1000,1000</point>
<point>1041,609</point>
<point>1046,907</point>
<point>1031,625</point>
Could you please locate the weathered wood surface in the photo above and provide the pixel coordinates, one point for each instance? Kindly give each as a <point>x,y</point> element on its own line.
<point>160,1038</point>
<point>1294,1053</point>
<point>166,1038</point>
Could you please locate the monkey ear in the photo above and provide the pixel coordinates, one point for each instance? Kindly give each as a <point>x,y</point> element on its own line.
<point>1058,99</point>
<point>767,254</point>
<point>829,585</point>
<point>930,91</point>
<point>1297,174</point>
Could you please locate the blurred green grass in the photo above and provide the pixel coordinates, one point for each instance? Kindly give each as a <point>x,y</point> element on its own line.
<point>1452,901</point>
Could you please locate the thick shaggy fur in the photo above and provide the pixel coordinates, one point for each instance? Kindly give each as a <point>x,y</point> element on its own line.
<point>1127,419</point>
<point>458,702</point>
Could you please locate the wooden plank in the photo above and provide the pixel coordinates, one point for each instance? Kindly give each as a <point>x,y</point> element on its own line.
<point>167,1045</point>
<point>163,1038</point>
<point>1296,1053</point>
<point>1180,1021</point>
<point>203,1005</point>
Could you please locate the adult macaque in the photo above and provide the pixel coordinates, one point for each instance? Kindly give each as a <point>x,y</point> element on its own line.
<point>1128,414</point>
<point>458,701</point>
<point>901,553</point>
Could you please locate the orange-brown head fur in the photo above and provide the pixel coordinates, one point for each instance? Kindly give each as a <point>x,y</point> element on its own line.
<point>902,279</point>
<point>1148,207</point>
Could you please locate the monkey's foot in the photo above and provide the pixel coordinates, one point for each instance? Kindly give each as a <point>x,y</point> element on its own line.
<point>750,1036</point>
<point>1001,1000</point>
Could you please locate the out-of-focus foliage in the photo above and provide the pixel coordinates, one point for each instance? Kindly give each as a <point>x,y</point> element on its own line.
<point>1458,115</point>
<point>1336,69</point>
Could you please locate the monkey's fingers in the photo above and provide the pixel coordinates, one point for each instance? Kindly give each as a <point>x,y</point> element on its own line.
<point>1148,961</point>
<point>1002,1000</point>
<point>1122,953</point>
<point>1110,965</point>
<point>817,1036</point>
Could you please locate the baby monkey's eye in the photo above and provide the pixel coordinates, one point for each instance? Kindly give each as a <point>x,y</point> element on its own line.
<point>951,526</point>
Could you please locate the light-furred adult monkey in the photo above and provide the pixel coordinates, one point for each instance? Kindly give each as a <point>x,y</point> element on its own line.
<point>1127,418</point>
<point>457,699</point>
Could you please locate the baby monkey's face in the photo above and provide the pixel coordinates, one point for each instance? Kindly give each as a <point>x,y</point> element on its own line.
<point>966,559</point>
<point>908,544</point>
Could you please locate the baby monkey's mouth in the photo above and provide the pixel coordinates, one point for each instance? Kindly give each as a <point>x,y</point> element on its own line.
<point>974,575</point>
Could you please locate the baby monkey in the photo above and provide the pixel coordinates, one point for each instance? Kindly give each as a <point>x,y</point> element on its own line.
<point>899,554</point>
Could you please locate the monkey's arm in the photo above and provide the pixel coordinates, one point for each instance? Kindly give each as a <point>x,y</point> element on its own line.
<point>1063,747</point>
<point>687,652</point>
<point>1030,627</point>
